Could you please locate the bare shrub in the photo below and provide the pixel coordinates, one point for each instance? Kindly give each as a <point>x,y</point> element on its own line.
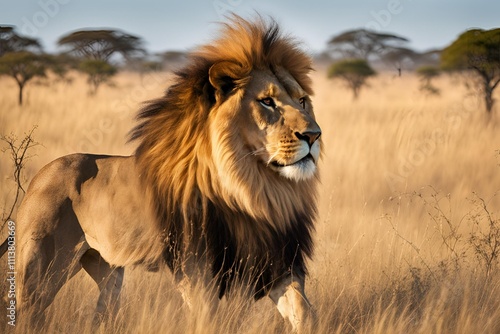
<point>485,235</point>
<point>19,151</point>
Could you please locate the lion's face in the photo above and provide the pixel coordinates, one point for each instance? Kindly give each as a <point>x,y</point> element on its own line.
<point>278,126</point>
<point>264,143</point>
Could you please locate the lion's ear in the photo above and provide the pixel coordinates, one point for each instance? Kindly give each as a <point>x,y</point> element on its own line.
<point>222,76</point>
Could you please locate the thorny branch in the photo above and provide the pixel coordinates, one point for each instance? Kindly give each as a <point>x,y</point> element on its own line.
<point>19,154</point>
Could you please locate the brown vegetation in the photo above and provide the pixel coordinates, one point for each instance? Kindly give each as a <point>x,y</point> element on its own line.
<point>408,233</point>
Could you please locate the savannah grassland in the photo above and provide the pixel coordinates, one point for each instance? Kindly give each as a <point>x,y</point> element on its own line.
<point>408,234</point>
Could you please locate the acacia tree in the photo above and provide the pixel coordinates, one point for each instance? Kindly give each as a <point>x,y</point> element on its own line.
<point>18,60</point>
<point>400,57</point>
<point>102,44</point>
<point>427,74</point>
<point>61,64</point>
<point>23,66</point>
<point>10,41</point>
<point>96,47</point>
<point>98,72</point>
<point>476,51</point>
<point>354,72</point>
<point>363,43</point>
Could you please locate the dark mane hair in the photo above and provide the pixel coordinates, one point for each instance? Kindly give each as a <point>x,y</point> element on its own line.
<point>272,235</point>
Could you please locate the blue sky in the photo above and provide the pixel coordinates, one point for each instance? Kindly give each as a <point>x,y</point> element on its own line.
<point>180,25</point>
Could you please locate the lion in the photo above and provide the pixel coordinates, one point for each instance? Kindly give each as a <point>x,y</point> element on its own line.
<point>220,190</point>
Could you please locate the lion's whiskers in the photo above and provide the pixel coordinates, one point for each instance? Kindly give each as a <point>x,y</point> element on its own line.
<point>254,153</point>
<point>272,157</point>
<point>272,147</point>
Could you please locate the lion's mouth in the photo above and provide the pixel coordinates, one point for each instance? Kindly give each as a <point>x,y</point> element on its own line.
<point>305,159</point>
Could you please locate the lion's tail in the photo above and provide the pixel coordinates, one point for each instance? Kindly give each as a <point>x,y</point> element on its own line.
<point>3,247</point>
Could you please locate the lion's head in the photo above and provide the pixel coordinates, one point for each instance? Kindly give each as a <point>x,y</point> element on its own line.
<point>236,132</point>
<point>238,126</point>
<point>262,88</point>
<point>277,129</point>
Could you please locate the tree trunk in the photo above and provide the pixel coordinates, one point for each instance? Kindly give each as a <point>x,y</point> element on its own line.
<point>93,85</point>
<point>488,97</point>
<point>356,87</point>
<point>355,93</point>
<point>21,86</point>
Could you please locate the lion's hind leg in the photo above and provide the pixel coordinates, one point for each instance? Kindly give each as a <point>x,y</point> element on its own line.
<point>109,280</point>
<point>43,272</point>
<point>34,295</point>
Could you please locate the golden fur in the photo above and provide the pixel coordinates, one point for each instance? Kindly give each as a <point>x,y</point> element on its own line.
<point>184,114</point>
<point>212,165</point>
<point>224,176</point>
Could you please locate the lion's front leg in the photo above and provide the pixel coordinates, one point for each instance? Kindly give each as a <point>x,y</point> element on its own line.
<point>196,287</point>
<point>292,303</point>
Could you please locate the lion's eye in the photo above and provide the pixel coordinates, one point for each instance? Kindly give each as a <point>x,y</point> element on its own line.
<point>302,102</point>
<point>268,102</point>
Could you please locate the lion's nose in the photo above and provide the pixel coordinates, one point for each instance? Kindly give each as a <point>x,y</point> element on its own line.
<point>309,136</point>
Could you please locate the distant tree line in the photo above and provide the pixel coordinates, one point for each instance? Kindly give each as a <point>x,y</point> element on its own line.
<point>356,50</point>
<point>88,51</point>
<point>475,52</point>
<point>95,53</point>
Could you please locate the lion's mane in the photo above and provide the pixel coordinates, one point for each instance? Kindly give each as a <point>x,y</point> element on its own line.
<point>254,225</point>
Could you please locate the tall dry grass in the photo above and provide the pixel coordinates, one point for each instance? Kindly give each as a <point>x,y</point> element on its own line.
<point>409,208</point>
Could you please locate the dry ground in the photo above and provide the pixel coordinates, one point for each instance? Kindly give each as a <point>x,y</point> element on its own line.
<point>409,209</point>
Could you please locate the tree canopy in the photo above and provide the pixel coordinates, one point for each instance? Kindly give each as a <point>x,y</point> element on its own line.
<point>354,72</point>
<point>23,66</point>
<point>10,41</point>
<point>427,74</point>
<point>20,58</point>
<point>478,51</point>
<point>363,43</point>
<point>98,72</point>
<point>102,44</point>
